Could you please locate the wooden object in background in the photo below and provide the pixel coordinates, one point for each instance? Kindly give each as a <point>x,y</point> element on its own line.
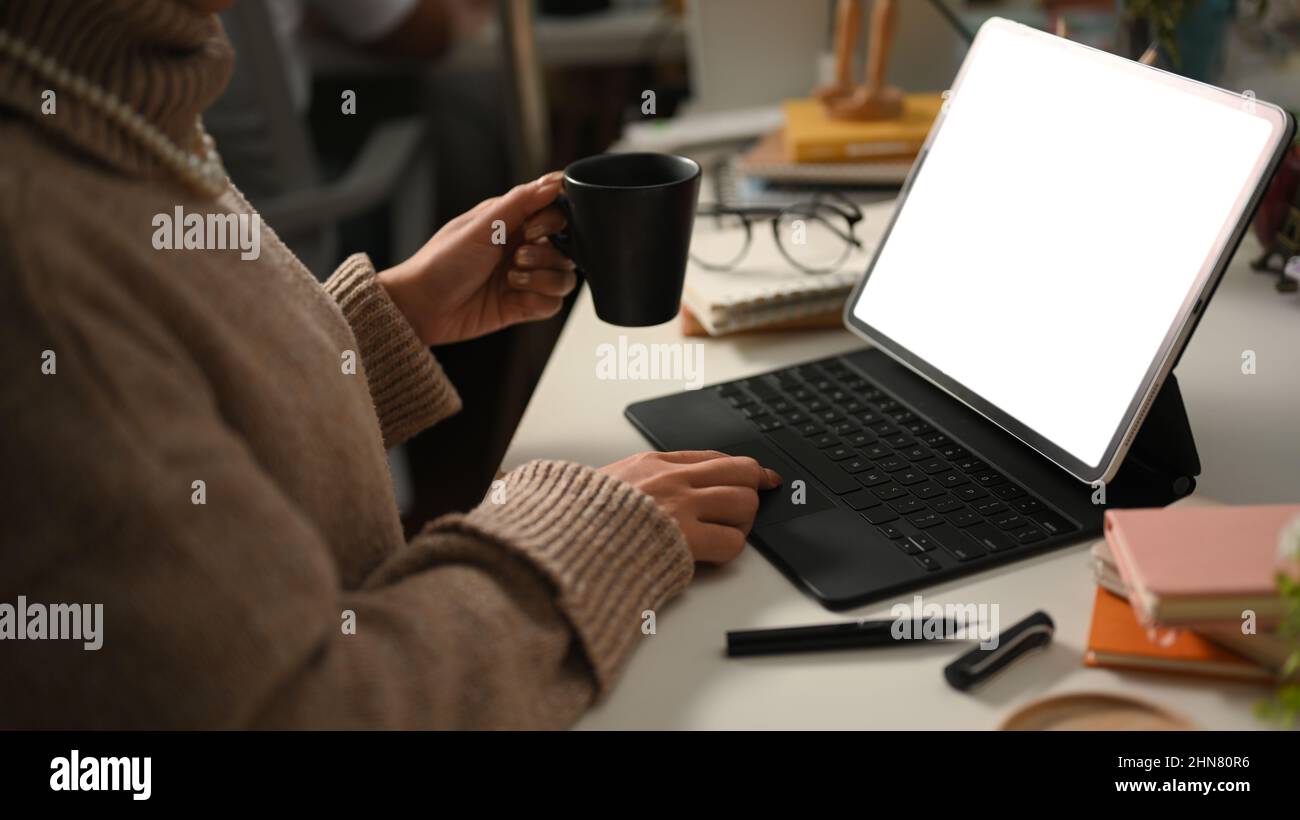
<point>874,99</point>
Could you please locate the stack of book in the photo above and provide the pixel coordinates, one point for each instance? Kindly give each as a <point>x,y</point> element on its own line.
<point>1192,590</point>
<point>813,149</point>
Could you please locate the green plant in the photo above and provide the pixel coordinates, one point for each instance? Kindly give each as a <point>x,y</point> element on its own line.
<point>1284,707</point>
<point>1164,17</point>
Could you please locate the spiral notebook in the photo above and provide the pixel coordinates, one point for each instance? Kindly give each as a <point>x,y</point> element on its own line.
<point>765,288</point>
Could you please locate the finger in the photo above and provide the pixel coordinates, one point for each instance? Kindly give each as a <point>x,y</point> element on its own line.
<point>535,255</point>
<point>739,471</point>
<point>547,282</point>
<point>544,223</point>
<point>732,506</point>
<point>522,201</point>
<point>526,306</point>
<point>690,456</point>
<point>714,543</point>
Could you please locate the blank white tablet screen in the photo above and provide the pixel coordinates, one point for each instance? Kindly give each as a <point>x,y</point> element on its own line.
<point>1060,220</point>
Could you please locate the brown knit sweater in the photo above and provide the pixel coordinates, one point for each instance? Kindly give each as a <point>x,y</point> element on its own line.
<point>173,367</point>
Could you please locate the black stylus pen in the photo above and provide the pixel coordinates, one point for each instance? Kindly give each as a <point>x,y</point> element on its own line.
<point>845,635</point>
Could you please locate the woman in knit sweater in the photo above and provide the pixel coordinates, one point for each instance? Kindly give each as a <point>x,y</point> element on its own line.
<point>186,444</point>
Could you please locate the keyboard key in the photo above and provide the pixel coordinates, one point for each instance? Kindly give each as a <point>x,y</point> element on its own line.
<point>812,460</point>
<point>952,451</point>
<point>925,519</point>
<point>988,478</point>
<point>880,515</point>
<point>780,406</point>
<point>861,500</point>
<point>867,417</point>
<point>1053,523</point>
<point>872,478</point>
<point>845,428</point>
<point>741,400</point>
<point>970,465</point>
<point>769,424</point>
<point>889,492</point>
<point>855,465</point>
<point>1009,521</point>
<point>988,506</point>
<point>809,430</point>
<point>761,388</point>
<point>909,477</point>
<point>891,464</point>
<point>884,428</point>
<point>927,562</point>
<point>991,537</point>
<point>923,542</point>
<point>908,506</point>
<point>890,531</point>
<point>801,394</point>
<point>1029,535</point>
<point>946,505</point>
<point>951,480</point>
<point>840,453</point>
<point>795,419</point>
<point>934,466</point>
<point>935,439</point>
<point>1026,505</point>
<point>1008,491</point>
<point>908,547</point>
<point>826,441</point>
<point>852,406</point>
<point>969,493</point>
<point>918,428</point>
<point>900,441</point>
<point>927,489</point>
<point>953,542</point>
<point>887,404</point>
<point>917,453</point>
<point>876,451</point>
<point>830,417</point>
<point>965,518</point>
<point>863,438</point>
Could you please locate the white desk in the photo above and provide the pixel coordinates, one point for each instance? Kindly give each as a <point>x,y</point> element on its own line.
<point>679,678</point>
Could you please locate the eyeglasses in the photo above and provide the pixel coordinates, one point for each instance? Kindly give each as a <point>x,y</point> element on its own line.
<point>815,236</point>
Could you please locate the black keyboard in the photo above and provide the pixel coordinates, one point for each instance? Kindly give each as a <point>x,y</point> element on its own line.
<point>918,486</point>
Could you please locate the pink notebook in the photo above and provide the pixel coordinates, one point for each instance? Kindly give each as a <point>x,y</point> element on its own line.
<point>1200,565</point>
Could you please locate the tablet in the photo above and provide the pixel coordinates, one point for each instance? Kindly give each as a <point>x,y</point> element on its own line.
<point>1059,235</point>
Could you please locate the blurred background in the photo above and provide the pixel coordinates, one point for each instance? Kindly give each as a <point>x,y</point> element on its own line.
<point>363,125</point>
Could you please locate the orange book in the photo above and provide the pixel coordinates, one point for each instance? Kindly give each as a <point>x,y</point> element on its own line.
<point>812,136</point>
<point>1118,640</point>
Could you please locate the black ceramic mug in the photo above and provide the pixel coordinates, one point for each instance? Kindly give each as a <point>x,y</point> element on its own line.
<point>630,218</point>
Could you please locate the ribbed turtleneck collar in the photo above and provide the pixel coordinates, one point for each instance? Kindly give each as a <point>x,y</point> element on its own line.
<point>162,58</point>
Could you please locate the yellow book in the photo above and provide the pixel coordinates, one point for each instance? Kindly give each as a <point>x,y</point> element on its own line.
<point>812,136</point>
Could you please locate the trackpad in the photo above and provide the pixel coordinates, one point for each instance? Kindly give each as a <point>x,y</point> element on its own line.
<point>785,502</point>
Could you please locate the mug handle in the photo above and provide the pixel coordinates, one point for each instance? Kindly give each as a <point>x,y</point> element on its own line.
<point>563,239</point>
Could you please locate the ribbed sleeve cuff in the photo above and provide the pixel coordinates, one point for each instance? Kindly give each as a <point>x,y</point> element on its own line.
<point>609,550</point>
<point>407,384</point>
